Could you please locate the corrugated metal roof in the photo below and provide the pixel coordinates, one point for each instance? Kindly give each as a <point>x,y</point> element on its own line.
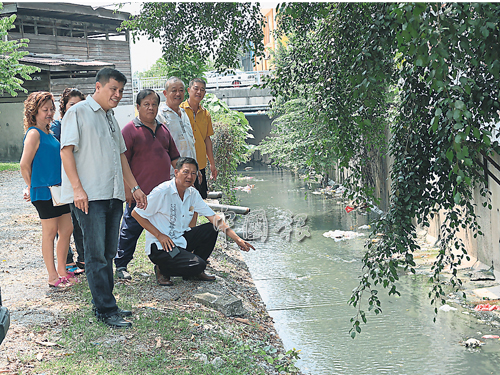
<point>63,61</point>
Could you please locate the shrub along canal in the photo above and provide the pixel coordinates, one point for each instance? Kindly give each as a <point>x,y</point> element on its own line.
<point>306,286</point>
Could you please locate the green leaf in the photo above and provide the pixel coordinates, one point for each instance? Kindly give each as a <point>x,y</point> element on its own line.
<point>459,104</point>
<point>449,154</point>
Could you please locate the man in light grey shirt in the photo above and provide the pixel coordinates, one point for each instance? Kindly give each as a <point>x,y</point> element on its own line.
<point>92,153</point>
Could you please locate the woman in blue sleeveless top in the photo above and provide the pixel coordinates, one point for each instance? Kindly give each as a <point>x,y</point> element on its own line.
<point>41,167</point>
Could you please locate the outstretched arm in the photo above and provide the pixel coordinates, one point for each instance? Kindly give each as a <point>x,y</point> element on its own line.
<point>220,224</point>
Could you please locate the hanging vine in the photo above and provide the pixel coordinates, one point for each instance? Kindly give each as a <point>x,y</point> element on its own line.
<point>429,73</point>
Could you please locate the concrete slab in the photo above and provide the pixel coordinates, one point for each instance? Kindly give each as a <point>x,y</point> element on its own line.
<point>488,293</point>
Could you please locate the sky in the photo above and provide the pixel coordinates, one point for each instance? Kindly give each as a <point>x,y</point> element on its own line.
<point>144,53</point>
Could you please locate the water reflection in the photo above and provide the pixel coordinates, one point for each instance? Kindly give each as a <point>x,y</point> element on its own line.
<point>306,286</point>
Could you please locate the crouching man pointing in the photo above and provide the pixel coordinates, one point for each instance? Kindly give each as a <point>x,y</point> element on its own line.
<point>174,247</point>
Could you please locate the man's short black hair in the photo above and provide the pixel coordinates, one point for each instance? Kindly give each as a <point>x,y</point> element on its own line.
<point>105,74</point>
<point>143,93</point>
<point>197,80</point>
<point>185,160</point>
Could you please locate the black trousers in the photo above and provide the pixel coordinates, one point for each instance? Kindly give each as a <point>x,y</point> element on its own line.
<point>192,260</point>
<point>203,187</point>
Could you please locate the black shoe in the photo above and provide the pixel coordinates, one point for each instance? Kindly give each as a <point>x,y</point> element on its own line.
<point>115,321</point>
<point>121,312</point>
<point>124,313</point>
<point>201,276</point>
<point>123,274</point>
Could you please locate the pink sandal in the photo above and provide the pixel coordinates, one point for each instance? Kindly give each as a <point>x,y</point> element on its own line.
<point>71,278</point>
<point>59,284</point>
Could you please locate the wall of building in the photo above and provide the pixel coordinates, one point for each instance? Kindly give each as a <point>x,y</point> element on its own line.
<point>11,131</point>
<point>12,128</point>
<point>114,51</point>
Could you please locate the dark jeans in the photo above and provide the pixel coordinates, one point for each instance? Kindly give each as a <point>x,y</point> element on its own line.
<point>130,232</point>
<point>203,187</point>
<point>100,232</point>
<point>192,260</point>
<point>78,237</point>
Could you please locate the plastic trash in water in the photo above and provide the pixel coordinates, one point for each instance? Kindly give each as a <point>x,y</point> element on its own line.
<point>486,307</point>
<point>447,308</point>
<point>349,209</point>
<point>491,337</point>
<point>342,235</point>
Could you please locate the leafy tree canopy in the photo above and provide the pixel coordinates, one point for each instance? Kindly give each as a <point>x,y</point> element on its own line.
<point>12,72</point>
<point>219,30</point>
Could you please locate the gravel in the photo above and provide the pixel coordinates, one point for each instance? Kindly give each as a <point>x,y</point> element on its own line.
<point>23,282</point>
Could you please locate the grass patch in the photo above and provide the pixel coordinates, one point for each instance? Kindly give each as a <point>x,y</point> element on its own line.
<point>169,335</point>
<point>9,167</point>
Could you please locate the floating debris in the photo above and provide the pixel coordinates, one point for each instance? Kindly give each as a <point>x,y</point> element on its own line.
<point>364,227</point>
<point>342,235</point>
<point>472,343</point>
<point>490,337</point>
<point>245,188</point>
<point>447,308</point>
<point>486,307</point>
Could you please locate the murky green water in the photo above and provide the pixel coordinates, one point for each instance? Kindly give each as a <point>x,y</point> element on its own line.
<point>306,286</point>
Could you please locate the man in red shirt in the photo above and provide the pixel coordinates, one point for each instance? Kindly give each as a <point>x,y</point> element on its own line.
<point>150,152</point>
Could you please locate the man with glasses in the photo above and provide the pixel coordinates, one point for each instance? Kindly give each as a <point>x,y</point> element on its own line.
<point>95,166</point>
<point>151,152</point>
<point>174,247</point>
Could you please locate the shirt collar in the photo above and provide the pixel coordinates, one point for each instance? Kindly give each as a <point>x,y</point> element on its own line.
<point>138,123</point>
<point>173,186</point>
<point>200,107</point>
<point>95,106</point>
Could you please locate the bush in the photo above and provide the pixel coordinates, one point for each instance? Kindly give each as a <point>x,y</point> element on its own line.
<point>230,149</point>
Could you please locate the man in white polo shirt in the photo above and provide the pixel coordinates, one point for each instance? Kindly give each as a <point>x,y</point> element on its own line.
<point>174,247</point>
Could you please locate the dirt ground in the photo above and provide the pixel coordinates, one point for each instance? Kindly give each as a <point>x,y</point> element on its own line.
<point>36,310</point>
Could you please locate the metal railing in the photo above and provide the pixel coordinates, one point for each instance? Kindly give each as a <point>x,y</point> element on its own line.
<point>214,81</point>
<point>487,172</point>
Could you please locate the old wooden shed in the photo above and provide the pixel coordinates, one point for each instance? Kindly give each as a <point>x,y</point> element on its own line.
<point>70,43</point>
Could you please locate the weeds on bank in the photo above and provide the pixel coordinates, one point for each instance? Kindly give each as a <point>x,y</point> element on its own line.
<point>9,167</point>
<point>166,338</point>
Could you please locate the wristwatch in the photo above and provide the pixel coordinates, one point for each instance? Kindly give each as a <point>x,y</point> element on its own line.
<point>134,189</point>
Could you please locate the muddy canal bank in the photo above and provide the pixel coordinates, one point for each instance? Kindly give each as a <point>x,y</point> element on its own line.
<point>39,315</point>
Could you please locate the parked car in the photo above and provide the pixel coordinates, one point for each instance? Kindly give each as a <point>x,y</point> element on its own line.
<point>4,319</point>
<point>224,80</point>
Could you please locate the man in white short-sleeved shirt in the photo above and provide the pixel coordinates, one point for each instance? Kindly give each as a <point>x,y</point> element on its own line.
<point>176,119</point>
<point>171,206</point>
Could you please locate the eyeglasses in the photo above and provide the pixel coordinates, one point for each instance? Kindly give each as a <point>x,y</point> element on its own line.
<point>148,105</point>
<point>185,172</point>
